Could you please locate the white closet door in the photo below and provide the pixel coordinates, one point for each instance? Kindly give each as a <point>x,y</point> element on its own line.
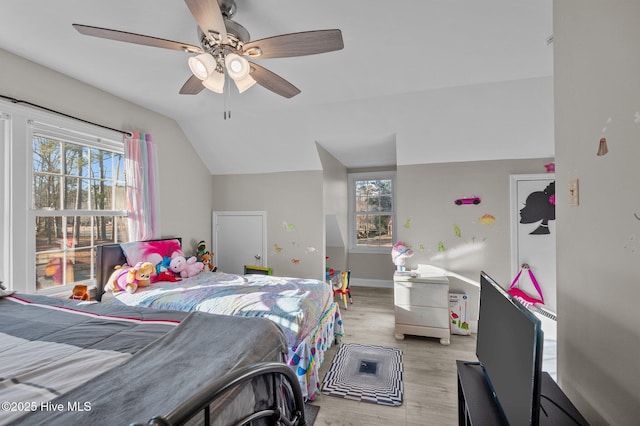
<point>533,233</point>
<point>239,238</point>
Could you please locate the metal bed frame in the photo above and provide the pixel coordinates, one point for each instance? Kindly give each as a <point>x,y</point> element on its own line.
<point>279,414</point>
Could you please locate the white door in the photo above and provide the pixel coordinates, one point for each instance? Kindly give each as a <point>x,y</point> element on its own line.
<point>239,238</point>
<point>533,233</point>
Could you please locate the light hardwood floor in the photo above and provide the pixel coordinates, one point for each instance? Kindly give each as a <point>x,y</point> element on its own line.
<point>430,387</point>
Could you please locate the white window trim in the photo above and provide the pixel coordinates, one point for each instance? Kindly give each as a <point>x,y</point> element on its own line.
<point>19,246</point>
<point>353,177</point>
<point>5,213</point>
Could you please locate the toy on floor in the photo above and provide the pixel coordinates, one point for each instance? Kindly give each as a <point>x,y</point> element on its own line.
<point>79,292</point>
<point>129,278</point>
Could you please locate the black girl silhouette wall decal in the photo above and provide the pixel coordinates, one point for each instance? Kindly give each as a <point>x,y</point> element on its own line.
<point>540,205</point>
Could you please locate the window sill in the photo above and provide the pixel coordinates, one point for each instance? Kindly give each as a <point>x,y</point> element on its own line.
<point>370,250</point>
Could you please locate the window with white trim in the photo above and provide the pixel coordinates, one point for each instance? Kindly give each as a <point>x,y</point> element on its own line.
<point>78,201</point>
<point>372,211</point>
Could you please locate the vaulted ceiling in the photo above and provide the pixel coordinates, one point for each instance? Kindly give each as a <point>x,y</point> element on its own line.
<point>399,57</point>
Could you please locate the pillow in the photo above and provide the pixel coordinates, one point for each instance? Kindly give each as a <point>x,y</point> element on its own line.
<point>157,252</point>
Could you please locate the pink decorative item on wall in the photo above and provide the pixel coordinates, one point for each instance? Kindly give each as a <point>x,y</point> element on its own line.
<point>550,167</point>
<point>467,200</point>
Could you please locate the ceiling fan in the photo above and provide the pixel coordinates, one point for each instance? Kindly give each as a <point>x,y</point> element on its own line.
<point>225,46</point>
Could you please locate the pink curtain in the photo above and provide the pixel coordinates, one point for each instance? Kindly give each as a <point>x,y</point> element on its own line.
<point>142,186</point>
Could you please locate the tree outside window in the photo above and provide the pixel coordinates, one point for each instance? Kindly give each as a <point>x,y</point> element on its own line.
<point>78,203</point>
<point>373,211</point>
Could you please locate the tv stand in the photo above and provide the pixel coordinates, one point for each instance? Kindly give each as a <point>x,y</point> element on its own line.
<point>476,405</point>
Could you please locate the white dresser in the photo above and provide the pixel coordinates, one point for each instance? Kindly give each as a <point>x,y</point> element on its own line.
<point>422,306</point>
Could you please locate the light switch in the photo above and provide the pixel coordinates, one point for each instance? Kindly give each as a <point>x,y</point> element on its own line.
<point>573,192</point>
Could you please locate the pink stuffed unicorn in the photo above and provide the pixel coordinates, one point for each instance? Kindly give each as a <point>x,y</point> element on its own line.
<point>399,253</point>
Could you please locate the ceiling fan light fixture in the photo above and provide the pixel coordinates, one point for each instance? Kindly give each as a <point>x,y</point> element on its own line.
<point>215,82</point>
<point>244,83</point>
<point>203,65</point>
<point>237,66</point>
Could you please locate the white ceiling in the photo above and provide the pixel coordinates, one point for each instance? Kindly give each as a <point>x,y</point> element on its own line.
<point>393,49</point>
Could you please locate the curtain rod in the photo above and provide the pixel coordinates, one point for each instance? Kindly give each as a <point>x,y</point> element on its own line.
<point>19,101</point>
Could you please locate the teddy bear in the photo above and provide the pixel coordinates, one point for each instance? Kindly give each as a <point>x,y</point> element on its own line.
<point>129,278</point>
<point>184,267</point>
<point>206,261</point>
<point>79,292</point>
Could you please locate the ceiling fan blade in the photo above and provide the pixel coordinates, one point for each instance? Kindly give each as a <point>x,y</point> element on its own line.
<point>192,86</point>
<point>295,44</point>
<point>209,17</point>
<point>135,38</point>
<point>272,81</point>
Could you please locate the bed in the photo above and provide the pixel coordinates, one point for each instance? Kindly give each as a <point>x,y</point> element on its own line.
<point>304,309</point>
<point>68,362</point>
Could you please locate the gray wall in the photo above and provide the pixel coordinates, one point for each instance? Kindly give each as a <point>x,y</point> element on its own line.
<point>291,198</point>
<point>335,204</point>
<point>185,182</point>
<point>597,77</point>
<point>424,202</point>
<point>425,198</point>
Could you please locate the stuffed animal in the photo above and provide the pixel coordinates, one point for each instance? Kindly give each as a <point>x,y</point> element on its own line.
<point>129,278</point>
<point>183,267</point>
<point>111,284</point>
<point>163,265</point>
<point>206,261</point>
<point>79,292</point>
<point>202,249</point>
<point>165,276</point>
<point>399,253</point>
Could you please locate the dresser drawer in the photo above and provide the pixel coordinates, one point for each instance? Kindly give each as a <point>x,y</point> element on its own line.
<point>421,294</point>
<point>418,315</point>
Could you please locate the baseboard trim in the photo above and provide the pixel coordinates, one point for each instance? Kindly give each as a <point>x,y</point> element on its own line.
<point>364,282</point>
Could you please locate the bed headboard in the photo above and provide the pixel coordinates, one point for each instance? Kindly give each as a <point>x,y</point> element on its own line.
<point>108,256</point>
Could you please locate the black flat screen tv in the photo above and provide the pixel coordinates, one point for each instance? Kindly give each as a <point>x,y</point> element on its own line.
<point>509,348</point>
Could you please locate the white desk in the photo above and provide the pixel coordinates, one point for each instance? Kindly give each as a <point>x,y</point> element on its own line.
<point>422,306</point>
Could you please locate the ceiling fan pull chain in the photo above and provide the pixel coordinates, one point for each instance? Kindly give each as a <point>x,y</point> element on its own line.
<point>225,97</point>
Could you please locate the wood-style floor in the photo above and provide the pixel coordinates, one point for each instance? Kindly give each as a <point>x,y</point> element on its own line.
<point>430,387</point>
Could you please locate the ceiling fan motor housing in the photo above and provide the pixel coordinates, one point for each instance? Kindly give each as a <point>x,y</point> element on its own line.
<point>237,35</point>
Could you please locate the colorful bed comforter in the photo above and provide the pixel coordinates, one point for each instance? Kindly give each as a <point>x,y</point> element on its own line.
<point>295,304</point>
<point>302,308</point>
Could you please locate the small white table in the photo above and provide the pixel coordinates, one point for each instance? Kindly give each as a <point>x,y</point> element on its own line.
<point>422,306</point>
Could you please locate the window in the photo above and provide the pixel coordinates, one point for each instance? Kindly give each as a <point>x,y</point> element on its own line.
<point>78,202</point>
<point>372,211</point>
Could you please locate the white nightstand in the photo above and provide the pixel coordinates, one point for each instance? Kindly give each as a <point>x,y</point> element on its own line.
<point>422,306</point>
